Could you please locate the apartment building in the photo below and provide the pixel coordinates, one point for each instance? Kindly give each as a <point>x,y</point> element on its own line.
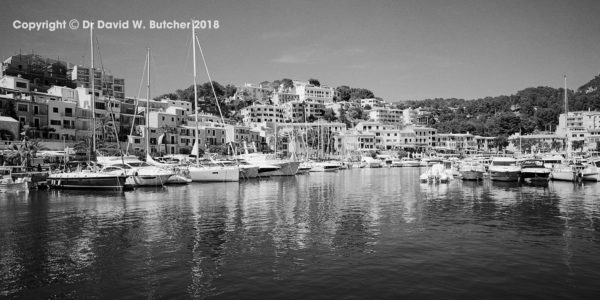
<point>260,113</point>
<point>320,94</point>
<point>105,84</point>
<point>299,111</point>
<point>42,72</point>
<point>387,116</point>
<point>279,98</point>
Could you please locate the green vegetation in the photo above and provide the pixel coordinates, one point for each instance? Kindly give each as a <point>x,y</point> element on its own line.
<point>528,111</point>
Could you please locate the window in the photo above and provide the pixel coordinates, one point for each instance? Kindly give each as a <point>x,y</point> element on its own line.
<point>36,109</point>
<point>55,109</point>
<point>23,107</point>
<point>21,85</point>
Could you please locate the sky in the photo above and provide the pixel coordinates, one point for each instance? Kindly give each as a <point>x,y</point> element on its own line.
<point>399,49</point>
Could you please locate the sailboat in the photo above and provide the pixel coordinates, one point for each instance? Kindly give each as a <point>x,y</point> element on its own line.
<point>91,178</point>
<point>138,173</point>
<point>207,173</point>
<point>568,170</point>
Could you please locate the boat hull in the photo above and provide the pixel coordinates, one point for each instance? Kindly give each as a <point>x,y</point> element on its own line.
<point>149,180</point>
<point>214,174</point>
<point>535,175</point>
<point>285,169</point>
<point>505,176</point>
<point>88,182</point>
<point>564,176</point>
<point>471,175</point>
<point>249,172</point>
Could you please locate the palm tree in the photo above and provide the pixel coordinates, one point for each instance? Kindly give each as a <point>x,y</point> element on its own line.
<point>25,152</point>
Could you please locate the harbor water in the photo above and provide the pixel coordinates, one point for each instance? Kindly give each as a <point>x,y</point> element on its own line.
<point>354,234</point>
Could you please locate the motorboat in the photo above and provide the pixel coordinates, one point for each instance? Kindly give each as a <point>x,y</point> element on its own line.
<point>10,184</point>
<point>504,169</point>
<point>325,166</point>
<point>567,172</point>
<point>268,165</point>
<point>436,173</point>
<point>396,163</point>
<point>139,173</point>
<point>371,162</point>
<point>471,170</point>
<point>409,162</point>
<point>592,170</point>
<point>534,169</point>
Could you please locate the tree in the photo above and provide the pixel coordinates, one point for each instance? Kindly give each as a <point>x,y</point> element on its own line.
<point>230,90</point>
<point>287,84</point>
<point>329,115</point>
<point>25,152</point>
<point>171,96</point>
<point>343,92</point>
<point>357,94</point>
<point>314,82</point>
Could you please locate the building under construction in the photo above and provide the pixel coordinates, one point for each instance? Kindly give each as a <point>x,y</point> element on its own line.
<point>43,72</point>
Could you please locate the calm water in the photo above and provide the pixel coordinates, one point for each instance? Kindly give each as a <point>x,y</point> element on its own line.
<point>355,234</point>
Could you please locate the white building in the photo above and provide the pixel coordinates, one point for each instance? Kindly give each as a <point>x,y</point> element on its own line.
<point>387,115</point>
<point>298,111</point>
<point>321,94</point>
<point>67,94</point>
<point>282,98</point>
<point>14,83</point>
<point>260,113</point>
<point>185,105</point>
<point>372,102</point>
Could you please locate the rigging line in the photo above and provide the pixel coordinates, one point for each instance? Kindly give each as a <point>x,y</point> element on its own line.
<point>187,57</point>
<point>210,80</point>
<point>136,102</point>
<point>110,106</point>
<point>212,87</point>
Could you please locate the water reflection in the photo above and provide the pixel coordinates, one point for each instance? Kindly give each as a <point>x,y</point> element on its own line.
<point>297,236</point>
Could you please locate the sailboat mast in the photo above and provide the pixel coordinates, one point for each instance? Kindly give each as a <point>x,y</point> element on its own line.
<point>195,90</point>
<point>566,99</point>
<point>148,103</point>
<point>92,100</point>
<point>567,121</point>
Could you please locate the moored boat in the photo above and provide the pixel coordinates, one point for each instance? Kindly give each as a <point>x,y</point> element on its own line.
<point>504,169</point>
<point>534,169</point>
<point>567,172</point>
<point>409,162</point>
<point>471,170</point>
<point>88,180</point>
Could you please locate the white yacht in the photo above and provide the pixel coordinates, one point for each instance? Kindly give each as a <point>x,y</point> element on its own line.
<point>268,165</point>
<point>504,169</point>
<point>592,170</point>
<point>471,170</point>
<point>138,173</point>
<point>325,166</point>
